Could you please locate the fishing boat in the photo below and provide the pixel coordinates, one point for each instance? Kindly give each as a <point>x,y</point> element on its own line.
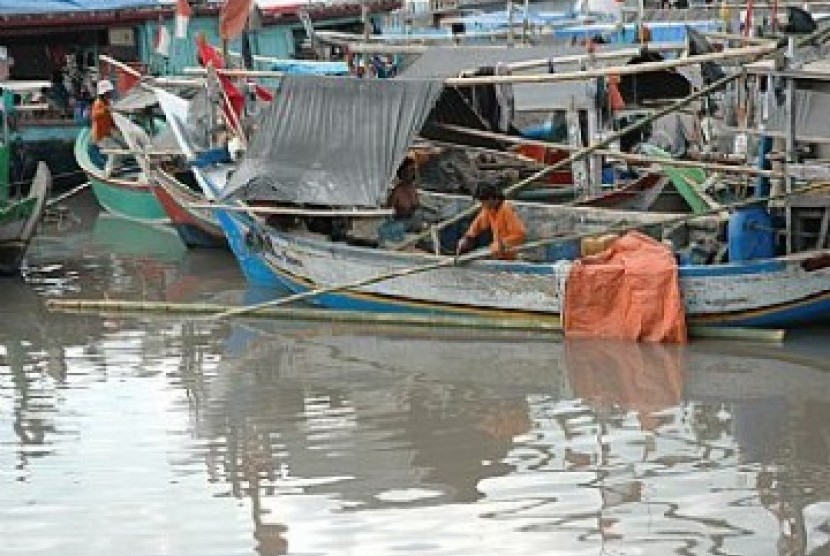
<point>197,227</point>
<point>126,192</point>
<point>753,290</point>
<point>21,206</point>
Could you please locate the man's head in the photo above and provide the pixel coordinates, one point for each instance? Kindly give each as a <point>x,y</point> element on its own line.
<point>490,195</point>
<point>408,170</point>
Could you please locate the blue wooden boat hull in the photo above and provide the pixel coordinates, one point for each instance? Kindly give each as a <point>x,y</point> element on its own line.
<point>785,293</point>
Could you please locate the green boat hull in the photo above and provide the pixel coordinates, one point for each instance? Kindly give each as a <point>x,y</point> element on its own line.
<point>19,216</point>
<point>122,196</point>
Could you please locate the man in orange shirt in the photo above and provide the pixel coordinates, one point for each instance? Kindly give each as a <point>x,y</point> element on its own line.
<point>104,133</point>
<point>102,122</point>
<point>498,216</point>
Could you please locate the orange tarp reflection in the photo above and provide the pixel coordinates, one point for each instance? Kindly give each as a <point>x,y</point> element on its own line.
<point>630,291</point>
<point>645,378</point>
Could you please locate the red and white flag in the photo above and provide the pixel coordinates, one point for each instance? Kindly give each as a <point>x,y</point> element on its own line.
<point>163,40</point>
<point>233,17</point>
<point>183,14</point>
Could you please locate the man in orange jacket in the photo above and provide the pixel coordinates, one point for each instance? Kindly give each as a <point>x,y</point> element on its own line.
<point>101,117</point>
<point>498,216</point>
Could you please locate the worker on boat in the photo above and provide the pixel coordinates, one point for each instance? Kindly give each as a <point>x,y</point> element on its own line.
<point>103,126</point>
<point>102,121</point>
<point>500,218</point>
<point>403,198</point>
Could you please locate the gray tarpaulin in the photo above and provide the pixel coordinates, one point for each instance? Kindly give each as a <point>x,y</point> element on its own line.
<point>333,141</point>
<point>811,109</point>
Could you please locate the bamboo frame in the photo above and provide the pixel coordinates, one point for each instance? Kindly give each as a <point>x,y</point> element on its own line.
<point>616,155</point>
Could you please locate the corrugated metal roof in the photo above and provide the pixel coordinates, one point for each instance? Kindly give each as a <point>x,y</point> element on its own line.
<point>20,7</point>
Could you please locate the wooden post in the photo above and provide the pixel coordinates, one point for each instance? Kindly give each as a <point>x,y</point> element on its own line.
<point>364,16</point>
<point>790,140</point>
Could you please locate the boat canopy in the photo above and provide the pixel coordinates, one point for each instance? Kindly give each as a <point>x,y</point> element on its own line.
<point>20,7</point>
<point>332,141</point>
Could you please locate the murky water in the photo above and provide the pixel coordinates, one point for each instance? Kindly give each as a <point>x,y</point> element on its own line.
<point>155,435</point>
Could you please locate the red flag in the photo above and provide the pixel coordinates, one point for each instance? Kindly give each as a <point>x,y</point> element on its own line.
<point>263,94</point>
<point>208,56</point>
<point>183,15</point>
<point>233,17</point>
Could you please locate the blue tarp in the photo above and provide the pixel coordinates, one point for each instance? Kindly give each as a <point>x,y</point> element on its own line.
<point>311,67</point>
<point>14,7</point>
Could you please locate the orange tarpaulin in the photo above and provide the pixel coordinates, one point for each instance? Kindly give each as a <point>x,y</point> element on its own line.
<point>629,291</point>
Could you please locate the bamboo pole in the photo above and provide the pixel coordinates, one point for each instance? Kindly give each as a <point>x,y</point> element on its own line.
<point>600,55</point>
<point>129,152</point>
<point>748,51</point>
<point>352,213</point>
<point>539,324</point>
<point>155,80</point>
<point>730,333</point>
<point>485,253</point>
<point>732,37</point>
<point>235,72</point>
<point>616,155</point>
<point>71,193</point>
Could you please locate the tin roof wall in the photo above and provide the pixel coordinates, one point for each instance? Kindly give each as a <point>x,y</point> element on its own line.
<point>23,7</point>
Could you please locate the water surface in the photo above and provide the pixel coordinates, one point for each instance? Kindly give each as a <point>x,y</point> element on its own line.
<point>156,435</point>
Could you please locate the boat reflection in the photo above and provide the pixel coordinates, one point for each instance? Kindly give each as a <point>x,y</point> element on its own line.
<point>387,419</point>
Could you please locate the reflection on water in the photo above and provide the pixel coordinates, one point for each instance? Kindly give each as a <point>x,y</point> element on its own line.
<point>155,435</point>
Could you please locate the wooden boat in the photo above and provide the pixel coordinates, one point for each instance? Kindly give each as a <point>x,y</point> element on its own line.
<point>126,193</point>
<point>21,204</point>
<point>774,291</point>
<point>19,217</point>
<point>777,292</point>
<point>197,227</point>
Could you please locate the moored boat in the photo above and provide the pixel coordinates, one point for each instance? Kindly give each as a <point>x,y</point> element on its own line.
<point>125,193</point>
<point>197,227</point>
<point>758,290</point>
<point>22,202</point>
<point>19,218</point>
